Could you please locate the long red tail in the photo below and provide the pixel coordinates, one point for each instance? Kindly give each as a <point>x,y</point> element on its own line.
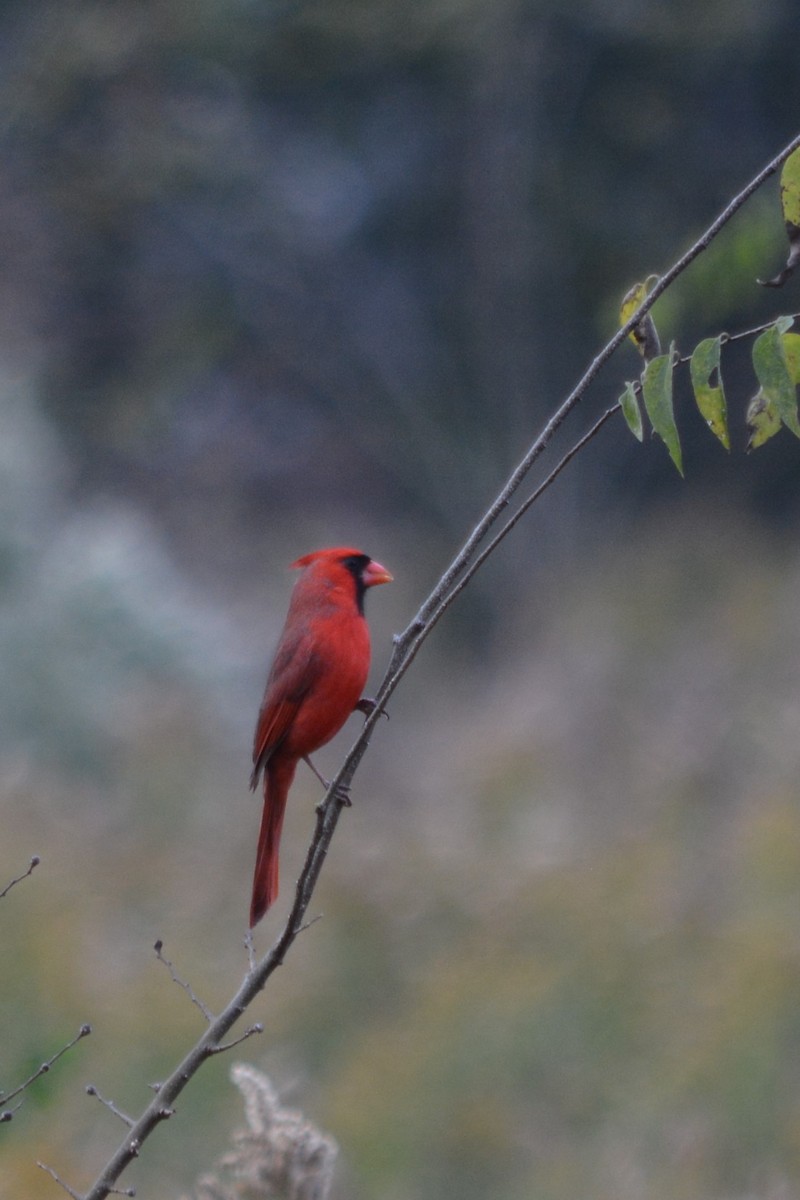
<point>278,776</point>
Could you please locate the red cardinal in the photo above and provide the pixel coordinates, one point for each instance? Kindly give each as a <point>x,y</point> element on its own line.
<point>317,676</point>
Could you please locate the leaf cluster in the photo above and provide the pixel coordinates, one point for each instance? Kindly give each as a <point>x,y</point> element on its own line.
<point>775,357</point>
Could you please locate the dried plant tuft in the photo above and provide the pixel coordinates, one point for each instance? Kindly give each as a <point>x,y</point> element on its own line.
<point>279,1156</point>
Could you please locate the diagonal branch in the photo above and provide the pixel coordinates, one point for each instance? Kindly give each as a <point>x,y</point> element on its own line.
<point>5,1097</point>
<point>406,646</point>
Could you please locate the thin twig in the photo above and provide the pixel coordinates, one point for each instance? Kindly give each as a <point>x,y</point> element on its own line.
<point>33,863</point>
<point>225,1046</point>
<point>59,1180</point>
<point>204,1009</point>
<point>83,1032</point>
<point>91,1090</point>
<point>311,921</point>
<point>742,335</point>
<point>748,333</point>
<point>405,648</point>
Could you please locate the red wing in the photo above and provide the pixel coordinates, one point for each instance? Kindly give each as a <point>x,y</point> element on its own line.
<point>273,725</point>
<point>293,674</point>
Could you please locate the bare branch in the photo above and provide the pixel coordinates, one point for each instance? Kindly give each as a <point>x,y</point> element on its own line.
<point>5,1097</point>
<point>33,863</point>
<point>207,1013</point>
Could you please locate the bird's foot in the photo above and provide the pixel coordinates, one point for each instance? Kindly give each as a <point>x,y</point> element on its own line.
<point>367,706</point>
<point>341,794</point>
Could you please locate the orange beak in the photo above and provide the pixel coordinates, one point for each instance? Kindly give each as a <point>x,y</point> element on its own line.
<point>374,573</point>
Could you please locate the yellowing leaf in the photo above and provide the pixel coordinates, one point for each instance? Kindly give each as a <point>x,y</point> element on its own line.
<point>790,204</point>
<point>634,296</point>
<point>657,393</point>
<point>773,374</point>
<point>710,397</point>
<point>644,334</point>
<point>631,411</point>
<point>762,421</point>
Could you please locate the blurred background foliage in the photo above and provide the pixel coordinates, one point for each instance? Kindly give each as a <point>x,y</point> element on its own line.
<point>281,275</point>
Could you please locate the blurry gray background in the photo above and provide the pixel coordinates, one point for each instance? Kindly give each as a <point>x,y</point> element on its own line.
<point>279,276</point>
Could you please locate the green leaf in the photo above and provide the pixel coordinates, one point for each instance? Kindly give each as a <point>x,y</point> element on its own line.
<point>631,411</point>
<point>774,376</point>
<point>710,397</point>
<point>762,421</point>
<point>657,393</point>
<point>791,348</point>
<point>790,189</point>
<point>644,334</point>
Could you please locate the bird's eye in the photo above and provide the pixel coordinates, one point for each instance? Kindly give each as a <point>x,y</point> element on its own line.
<point>355,563</point>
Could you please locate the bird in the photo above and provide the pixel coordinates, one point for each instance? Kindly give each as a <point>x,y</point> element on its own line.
<point>315,682</point>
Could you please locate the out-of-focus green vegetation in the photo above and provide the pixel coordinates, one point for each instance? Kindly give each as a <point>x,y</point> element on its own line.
<point>279,276</point>
<point>559,952</point>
